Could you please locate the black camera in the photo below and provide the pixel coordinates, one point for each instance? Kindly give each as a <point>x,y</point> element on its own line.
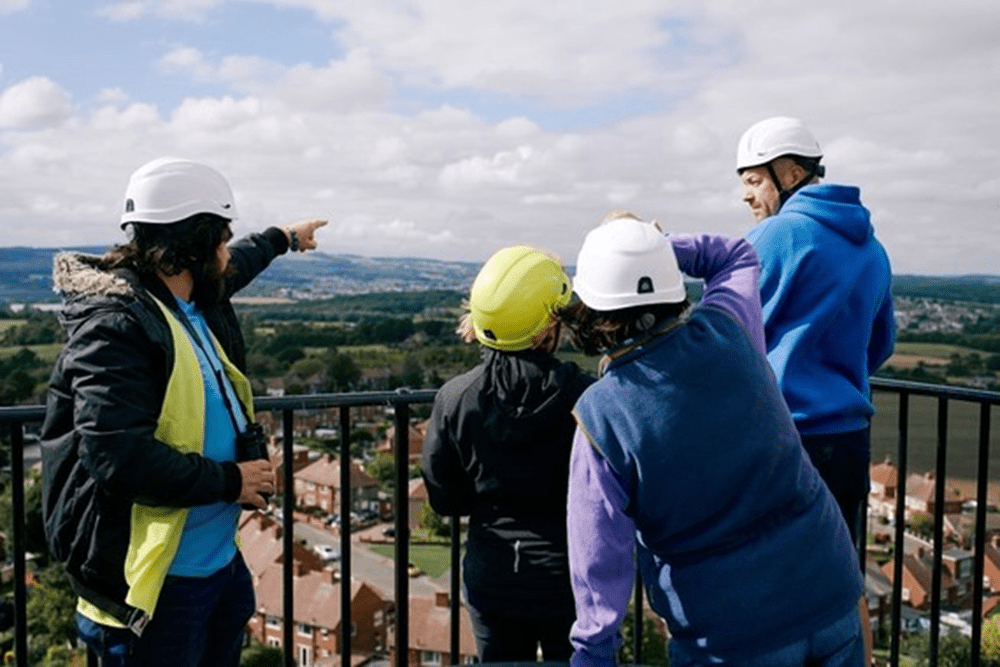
<point>251,445</point>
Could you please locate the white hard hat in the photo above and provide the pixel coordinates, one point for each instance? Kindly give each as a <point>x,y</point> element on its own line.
<point>627,262</point>
<point>772,138</point>
<point>170,189</point>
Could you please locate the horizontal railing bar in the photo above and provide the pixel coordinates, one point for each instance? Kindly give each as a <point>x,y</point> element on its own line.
<point>936,390</point>
<point>355,399</point>
<point>16,416</point>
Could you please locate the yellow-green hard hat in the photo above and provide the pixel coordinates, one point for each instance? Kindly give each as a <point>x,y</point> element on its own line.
<point>514,296</point>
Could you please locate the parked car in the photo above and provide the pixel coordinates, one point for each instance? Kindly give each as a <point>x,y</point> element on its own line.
<point>326,552</point>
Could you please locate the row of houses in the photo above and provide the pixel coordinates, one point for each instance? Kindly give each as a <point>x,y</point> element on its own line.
<point>957,560</point>
<point>318,625</point>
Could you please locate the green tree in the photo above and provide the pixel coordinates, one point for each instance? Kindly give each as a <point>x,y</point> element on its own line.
<point>954,649</point>
<point>383,469</point>
<point>61,656</point>
<point>990,645</point>
<point>41,328</point>
<point>654,646</point>
<point>259,655</point>
<point>342,372</point>
<point>922,524</point>
<point>993,362</point>
<point>51,609</point>
<point>434,522</point>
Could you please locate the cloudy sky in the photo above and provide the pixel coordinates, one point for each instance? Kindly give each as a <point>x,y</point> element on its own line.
<point>450,128</point>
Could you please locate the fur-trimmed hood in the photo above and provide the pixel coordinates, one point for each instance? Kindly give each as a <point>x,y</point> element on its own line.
<point>89,287</point>
<point>76,274</point>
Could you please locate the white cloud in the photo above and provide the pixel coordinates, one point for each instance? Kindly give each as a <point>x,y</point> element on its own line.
<point>503,168</point>
<point>386,137</point>
<point>185,10</point>
<point>350,84</point>
<point>12,6</point>
<point>34,103</point>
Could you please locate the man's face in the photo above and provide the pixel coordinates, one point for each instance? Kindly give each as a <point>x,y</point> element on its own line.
<point>759,192</point>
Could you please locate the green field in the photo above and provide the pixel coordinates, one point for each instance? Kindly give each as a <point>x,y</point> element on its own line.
<point>433,559</point>
<point>935,350</point>
<point>962,450</point>
<point>8,324</point>
<point>44,352</point>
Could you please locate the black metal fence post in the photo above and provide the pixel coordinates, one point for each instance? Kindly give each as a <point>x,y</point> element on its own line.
<point>20,568</point>
<point>939,485</point>
<point>456,586</point>
<point>982,478</point>
<point>897,556</point>
<point>288,541</point>
<point>345,536</point>
<point>402,448</point>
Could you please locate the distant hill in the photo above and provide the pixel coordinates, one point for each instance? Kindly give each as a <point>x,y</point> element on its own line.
<point>26,277</point>
<point>973,288</point>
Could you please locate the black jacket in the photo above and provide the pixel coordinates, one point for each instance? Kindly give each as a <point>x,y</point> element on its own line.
<point>99,455</point>
<point>247,258</point>
<point>497,448</point>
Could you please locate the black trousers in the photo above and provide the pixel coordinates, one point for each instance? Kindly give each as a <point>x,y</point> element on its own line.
<point>843,461</point>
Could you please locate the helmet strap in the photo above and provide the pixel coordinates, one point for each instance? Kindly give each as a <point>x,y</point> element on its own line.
<point>813,170</point>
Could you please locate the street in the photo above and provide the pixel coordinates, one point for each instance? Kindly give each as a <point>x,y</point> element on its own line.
<point>367,566</point>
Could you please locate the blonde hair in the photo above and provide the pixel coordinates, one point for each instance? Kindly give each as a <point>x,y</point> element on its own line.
<point>547,340</point>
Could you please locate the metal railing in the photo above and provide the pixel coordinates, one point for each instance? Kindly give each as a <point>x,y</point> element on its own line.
<point>15,418</point>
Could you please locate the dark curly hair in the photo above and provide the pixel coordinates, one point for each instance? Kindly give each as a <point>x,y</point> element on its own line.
<point>191,245</point>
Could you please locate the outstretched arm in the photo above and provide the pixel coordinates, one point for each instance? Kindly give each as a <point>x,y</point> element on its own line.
<point>254,252</point>
<point>731,272</point>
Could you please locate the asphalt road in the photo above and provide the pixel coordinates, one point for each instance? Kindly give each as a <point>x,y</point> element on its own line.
<point>368,566</point>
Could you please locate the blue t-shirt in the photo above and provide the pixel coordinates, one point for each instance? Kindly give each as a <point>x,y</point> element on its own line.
<point>207,542</point>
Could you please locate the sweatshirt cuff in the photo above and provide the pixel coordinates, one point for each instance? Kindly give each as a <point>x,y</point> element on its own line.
<point>277,238</point>
<point>232,480</point>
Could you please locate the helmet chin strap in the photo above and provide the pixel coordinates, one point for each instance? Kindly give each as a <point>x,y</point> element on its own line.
<point>813,170</point>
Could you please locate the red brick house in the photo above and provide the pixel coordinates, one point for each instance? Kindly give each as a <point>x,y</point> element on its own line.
<point>417,433</point>
<point>430,634</point>
<point>917,582</point>
<point>317,616</point>
<point>318,485</point>
<point>920,495</point>
<point>261,545</point>
<point>275,452</point>
<point>316,598</point>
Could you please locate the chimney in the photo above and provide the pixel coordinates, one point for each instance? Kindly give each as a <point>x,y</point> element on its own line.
<point>441,599</point>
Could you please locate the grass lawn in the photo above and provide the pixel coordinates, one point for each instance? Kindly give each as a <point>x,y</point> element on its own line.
<point>433,559</point>
<point>9,324</point>
<point>935,350</point>
<point>44,352</point>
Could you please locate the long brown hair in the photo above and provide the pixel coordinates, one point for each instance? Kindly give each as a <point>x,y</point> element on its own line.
<point>595,332</point>
<point>191,245</point>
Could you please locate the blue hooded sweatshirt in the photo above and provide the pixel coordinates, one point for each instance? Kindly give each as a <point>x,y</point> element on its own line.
<point>826,290</point>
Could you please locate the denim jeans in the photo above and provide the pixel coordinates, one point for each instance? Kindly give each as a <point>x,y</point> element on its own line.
<point>838,645</point>
<point>199,622</point>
